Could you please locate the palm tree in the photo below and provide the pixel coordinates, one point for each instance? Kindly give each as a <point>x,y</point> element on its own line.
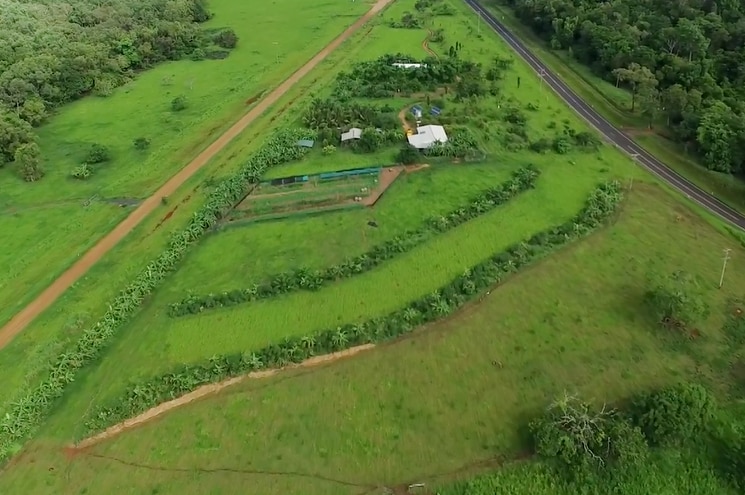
<point>308,342</point>
<point>410,314</point>
<point>339,339</point>
<point>252,361</point>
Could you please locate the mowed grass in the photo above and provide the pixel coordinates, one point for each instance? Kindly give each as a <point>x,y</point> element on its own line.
<point>436,401</point>
<point>153,343</point>
<point>217,92</point>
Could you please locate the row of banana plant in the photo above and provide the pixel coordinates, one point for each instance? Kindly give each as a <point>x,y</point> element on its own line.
<point>140,397</point>
<point>306,279</point>
<point>26,413</point>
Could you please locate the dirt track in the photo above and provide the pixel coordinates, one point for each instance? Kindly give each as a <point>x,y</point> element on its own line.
<point>209,390</point>
<point>22,319</point>
<point>425,45</point>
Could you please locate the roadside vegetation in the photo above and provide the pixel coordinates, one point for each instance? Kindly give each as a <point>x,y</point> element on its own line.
<point>677,67</point>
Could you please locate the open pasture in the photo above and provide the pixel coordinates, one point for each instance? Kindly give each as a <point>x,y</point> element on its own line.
<point>557,199</point>
<point>450,396</point>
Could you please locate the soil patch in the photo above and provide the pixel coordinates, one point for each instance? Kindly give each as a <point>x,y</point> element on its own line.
<point>22,319</point>
<point>204,391</point>
<point>404,122</point>
<point>255,98</point>
<point>385,179</point>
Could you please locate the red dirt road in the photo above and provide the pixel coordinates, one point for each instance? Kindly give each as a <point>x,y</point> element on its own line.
<point>22,319</point>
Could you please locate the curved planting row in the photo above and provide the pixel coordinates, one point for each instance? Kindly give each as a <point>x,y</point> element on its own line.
<point>305,279</point>
<point>140,397</point>
<point>26,413</point>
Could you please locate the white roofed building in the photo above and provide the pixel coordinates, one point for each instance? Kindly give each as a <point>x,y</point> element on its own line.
<point>427,135</point>
<point>404,65</point>
<point>353,133</point>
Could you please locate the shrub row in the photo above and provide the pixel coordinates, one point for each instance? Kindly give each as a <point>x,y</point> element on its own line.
<point>26,413</point>
<point>142,396</point>
<point>306,279</point>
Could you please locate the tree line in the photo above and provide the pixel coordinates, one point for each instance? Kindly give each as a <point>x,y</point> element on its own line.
<point>53,52</point>
<point>599,207</point>
<point>682,61</point>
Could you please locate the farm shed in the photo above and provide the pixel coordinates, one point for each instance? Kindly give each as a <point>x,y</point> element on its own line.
<point>306,143</point>
<point>428,135</point>
<point>354,133</point>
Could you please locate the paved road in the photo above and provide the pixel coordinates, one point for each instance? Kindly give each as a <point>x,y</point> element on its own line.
<point>611,133</point>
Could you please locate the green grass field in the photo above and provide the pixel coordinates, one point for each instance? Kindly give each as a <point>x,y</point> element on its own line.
<point>415,409</point>
<point>431,414</point>
<point>217,92</point>
<point>464,181</point>
<point>28,354</point>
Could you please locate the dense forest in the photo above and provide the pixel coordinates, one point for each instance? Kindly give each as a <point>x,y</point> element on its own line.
<point>684,61</point>
<point>55,51</point>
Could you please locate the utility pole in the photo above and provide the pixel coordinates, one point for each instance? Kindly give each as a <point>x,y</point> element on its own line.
<point>724,266</point>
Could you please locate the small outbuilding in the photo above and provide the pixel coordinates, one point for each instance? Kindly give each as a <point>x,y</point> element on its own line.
<point>403,65</point>
<point>306,143</point>
<point>428,135</point>
<point>353,133</point>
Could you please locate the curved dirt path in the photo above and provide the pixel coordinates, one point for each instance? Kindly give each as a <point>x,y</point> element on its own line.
<point>402,117</point>
<point>425,45</point>
<point>205,390</point>
<point>22,319</point>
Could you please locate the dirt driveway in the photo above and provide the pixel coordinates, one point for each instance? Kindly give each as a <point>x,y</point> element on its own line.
<point>22,319</point>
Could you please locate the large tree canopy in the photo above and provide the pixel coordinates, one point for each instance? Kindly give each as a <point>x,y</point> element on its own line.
<point>54,51</point>
<point>686,60</point>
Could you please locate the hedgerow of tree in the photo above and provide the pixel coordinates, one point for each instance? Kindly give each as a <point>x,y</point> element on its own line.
<point>31,405</point>
<point>52,53</point>
<point>682,61</point>
<point>141,396</point>
<point>306,279</point>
